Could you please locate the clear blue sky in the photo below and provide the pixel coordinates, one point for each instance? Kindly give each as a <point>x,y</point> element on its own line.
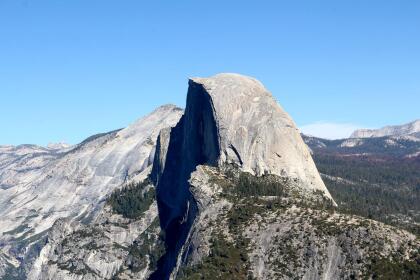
<point>69,69</point>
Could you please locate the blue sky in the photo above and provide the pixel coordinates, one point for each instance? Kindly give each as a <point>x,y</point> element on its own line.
<point>70,69</point>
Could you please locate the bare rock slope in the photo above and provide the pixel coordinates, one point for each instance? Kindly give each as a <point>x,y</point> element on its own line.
<point>39,185</point>
<point>229,120</point>
<point>253,131</point>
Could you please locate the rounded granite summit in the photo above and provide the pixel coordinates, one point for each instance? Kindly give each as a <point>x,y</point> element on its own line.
<point>254,131</point>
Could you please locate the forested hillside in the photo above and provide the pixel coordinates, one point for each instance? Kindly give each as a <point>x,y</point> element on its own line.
<point>372,179</point>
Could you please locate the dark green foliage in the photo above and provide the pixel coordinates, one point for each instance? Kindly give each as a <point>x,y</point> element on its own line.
<point>243,185</point>
<point>241,213</point>
<point>229,259</point>
<point>374,170</point>
<point>225,261</point>
<point>132,200</point>
<point>326,228</point>
<point>267,185</point>
<point>148,246</point>
<point>71,267</point>
<point>380,189</point>
<point>89,232</point>
<point>386,269</point>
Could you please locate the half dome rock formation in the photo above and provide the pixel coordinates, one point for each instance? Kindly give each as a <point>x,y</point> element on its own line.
<point>234,119</point>
<point>229,120</point>
<point>223,190</point>
<point>253,131</point>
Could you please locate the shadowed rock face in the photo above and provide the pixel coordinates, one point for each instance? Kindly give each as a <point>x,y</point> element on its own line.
<point>229,119</point>
<point>194,141</point>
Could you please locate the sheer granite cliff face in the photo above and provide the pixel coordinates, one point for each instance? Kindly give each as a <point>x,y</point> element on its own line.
<point>254,132</point>
<point>193,141</point>
<point>229,120</point>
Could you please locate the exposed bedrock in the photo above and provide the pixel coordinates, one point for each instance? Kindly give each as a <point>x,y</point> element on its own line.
<point>194,141</point>
<point>255,133</point>
<point>229,119</point>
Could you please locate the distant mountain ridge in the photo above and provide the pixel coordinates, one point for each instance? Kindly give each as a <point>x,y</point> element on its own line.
<point>391,146</point>
<point>396,130</point>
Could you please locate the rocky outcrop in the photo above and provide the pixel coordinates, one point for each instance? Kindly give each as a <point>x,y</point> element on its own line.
<point>229,120</point>
<point>240,236</point>
<point>304,243</point>
<point>97,251</point>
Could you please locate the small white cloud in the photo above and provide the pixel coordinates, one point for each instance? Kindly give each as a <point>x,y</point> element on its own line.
<point>329,130</point>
